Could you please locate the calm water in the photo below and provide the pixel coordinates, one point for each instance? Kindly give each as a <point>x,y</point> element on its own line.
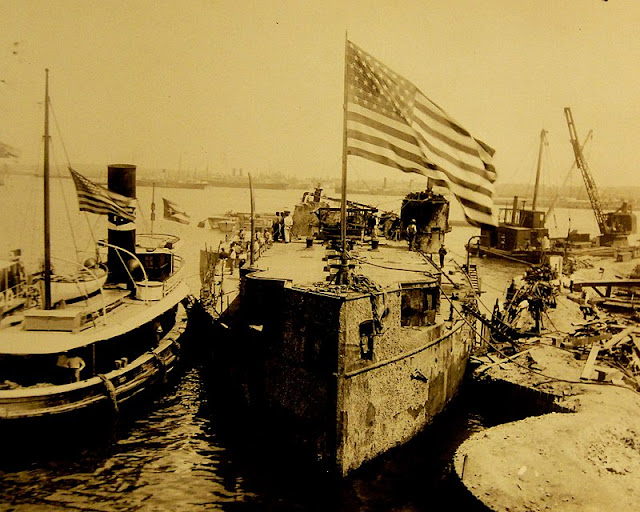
<point>180,451</point>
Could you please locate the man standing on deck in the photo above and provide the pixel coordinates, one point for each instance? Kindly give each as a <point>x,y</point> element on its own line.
<point>412,231</point>
<point>287,223</point>
<point>71,362</point>
<point>442,252</point>
<point>276,228</point>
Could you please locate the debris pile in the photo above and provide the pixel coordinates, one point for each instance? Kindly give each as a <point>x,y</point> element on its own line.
<point>614,357</point>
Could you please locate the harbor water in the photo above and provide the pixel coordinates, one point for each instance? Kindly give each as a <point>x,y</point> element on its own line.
<point>179,450</point>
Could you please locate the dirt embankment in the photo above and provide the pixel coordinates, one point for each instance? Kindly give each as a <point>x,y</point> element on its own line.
<point>587,460</point>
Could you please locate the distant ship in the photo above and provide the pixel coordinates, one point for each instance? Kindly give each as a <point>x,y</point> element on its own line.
<point>364,188</point>
<point>238,180</point>
<point>169,183</point>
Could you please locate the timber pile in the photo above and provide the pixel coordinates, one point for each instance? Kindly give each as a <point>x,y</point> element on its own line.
<point>611,356</point>
<point>617,360</point>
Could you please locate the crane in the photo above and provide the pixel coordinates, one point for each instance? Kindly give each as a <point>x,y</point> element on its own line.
<point>581,163</point>
<point>615,226</point>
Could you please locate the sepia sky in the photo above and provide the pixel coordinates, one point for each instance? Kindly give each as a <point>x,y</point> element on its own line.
<point>258,84</point>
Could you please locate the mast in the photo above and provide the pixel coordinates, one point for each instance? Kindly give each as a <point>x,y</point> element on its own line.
<point>47,222</point>
<point>342,273</point>
<point>153,204</point>
<point>543,133</point>
<point>253,223</point>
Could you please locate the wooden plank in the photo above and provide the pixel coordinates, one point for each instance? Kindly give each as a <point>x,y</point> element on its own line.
<point>501,361</point>
<point>618,338</point>
<point>588,371</point>
<point>610,282</point>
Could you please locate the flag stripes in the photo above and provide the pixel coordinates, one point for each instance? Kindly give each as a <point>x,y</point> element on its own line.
<point>389,121</point>
<point>96,199</point>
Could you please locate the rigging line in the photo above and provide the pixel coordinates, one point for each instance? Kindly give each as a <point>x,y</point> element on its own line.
<point>570,174</point>
<point>499,255</point>
<point>66,207</point>
<point>360,260</point>
<point>144,219</point>
<point>531,158</point>
<point>55,120</point>
<point>93,237</point>
<point>523,262</point>
<point>512,360</point>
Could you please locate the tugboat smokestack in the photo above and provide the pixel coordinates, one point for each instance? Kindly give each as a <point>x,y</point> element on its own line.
<point>122,232</point>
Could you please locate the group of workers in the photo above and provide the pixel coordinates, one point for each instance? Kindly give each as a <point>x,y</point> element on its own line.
<point>234,253</point>
<point>281,227</point>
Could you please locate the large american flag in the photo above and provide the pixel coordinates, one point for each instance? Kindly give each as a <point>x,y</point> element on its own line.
<point>391,122</point>
<point>96,199</point>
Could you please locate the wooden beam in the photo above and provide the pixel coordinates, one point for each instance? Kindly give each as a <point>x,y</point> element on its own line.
<point>588,370</point>
<point>618,338</point>
<point>610,282</point>
<point>483,369</point>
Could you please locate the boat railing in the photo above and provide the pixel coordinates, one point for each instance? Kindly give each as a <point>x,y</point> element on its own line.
<point>174,279</point>
<point>118,250</point>
<point>157,240</point>
<point>17,295</point>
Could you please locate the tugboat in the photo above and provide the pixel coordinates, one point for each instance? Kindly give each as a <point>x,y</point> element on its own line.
<point>521,234</point>
<point>94,340</point>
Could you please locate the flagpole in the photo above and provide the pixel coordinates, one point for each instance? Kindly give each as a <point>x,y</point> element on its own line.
<point>342,273</point>
<point>153,204</point>
<point>47,221</point>
<point>253,223</point>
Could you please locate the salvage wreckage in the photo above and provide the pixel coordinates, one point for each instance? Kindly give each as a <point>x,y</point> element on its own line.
<point>609,345</point>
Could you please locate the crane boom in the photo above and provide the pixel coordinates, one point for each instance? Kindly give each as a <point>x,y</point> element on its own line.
<point>581,163</point>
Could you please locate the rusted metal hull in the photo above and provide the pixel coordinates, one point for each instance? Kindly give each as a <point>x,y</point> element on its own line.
<point>308,362</point>
<point>389,403</point>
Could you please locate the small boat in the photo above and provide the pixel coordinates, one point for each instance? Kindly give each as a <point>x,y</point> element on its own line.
<point>92,341</point>
<point>223,223</point>
<point>232,222</point>
<point>86,283</point>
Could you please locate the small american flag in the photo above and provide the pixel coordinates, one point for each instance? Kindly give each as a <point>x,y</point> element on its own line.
<point>389,121</point>
<point>96,199</point>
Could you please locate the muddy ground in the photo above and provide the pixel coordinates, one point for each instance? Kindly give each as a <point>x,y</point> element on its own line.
<point>586,460</point>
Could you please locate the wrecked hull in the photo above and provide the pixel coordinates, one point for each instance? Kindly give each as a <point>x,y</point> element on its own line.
<point>313,367</point>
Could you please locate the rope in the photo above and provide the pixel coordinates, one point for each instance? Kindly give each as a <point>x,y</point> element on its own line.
<point>110,391</point>
<point>144,219</point>
<point>162,367</point>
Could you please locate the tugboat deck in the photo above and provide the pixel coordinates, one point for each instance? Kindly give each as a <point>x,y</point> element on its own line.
<point>124,316</point>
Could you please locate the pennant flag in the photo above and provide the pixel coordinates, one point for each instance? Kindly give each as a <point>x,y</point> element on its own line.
<point>389,121</point>
<point>173,212</point>
<point>97,199</point>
